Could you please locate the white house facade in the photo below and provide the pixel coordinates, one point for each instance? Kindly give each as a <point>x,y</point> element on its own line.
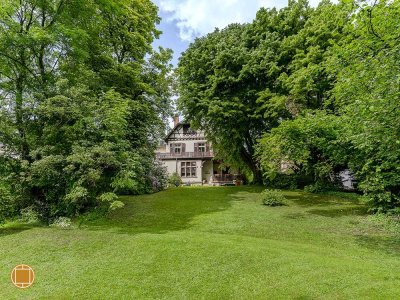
<point>188,153</point>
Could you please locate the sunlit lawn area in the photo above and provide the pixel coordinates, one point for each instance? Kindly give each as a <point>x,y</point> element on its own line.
<point>210,243</point>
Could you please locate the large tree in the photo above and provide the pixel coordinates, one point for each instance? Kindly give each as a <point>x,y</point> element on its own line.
<point>352,57</point>
<point>367,92</point>
<point>228,82</point>
<point>307,82</point>
<point>81,104</point>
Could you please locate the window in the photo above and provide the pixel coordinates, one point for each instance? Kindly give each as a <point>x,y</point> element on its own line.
<point>202,147</point>
<point>177,148</point>
<point>188,169</point>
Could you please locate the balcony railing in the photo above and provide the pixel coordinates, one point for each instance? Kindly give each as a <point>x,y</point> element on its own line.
<point>207,154</point>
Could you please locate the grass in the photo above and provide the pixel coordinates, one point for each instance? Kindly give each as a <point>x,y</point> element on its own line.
<point>210,243</point>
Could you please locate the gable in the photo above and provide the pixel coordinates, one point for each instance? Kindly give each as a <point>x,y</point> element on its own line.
<point>183,131</point>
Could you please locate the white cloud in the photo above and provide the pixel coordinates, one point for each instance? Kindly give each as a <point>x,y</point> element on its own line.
<point>199,17</point>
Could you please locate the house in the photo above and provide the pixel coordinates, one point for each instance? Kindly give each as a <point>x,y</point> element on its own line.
<point>188,153</point>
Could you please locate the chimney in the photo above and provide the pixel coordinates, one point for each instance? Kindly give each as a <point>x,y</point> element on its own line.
<point>176,120</point>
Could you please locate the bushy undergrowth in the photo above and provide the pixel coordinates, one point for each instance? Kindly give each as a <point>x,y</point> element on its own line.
<point>29,215</point>
<point>6,203</point>
<point>273,198</point>
<point>62,222</point>
<point>174,180</point>
<point>84,129</point>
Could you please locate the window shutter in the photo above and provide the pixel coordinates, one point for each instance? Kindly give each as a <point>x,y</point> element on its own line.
<point>207,147</point>
<point>183,147</point>
<point>196,147</point>
<point>171,148</point>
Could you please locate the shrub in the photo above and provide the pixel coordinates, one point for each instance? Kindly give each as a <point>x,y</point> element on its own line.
<point>314,188</point>
<point>158,176</point>
<point>6,203</point>
<point>29,215</point>
<point>383,202</point>
<point>116,205</point>
<point>75,163</point>
<point>273,198</point>
<point>62,222</point>
<point>174,180</point>
<point>112,199</point>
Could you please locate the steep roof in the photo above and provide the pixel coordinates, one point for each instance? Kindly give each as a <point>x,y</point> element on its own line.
<point>175,128</point>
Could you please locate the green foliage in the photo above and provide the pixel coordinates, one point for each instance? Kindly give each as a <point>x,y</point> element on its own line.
<point>287,181</point>
<point>112,199</point>
<point>340,70</point>
<point>116,205</point>
<point>158,176</point>
<point>29,215</point>
<point>62,222</point>
<point>316,187</point>
<point>367,93</point>
<point>306,145</point>
<point>6,202</point>
<point>215,97</point>
<point>381,201</point>
<point>236,89</point>
<point>273,198</point>
<point>175,180</point>
<point>108,197</point>
<point>81,108</point>
<point>227,82</point>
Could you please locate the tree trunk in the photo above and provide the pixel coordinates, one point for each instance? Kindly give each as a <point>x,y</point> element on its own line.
<point>257,176</point>
<point>253,166</point>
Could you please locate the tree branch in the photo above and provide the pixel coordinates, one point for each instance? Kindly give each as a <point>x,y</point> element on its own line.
<point>19,63</point>
<point>57,13</point>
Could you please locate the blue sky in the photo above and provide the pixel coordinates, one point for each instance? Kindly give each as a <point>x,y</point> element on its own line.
<point>184,20</point>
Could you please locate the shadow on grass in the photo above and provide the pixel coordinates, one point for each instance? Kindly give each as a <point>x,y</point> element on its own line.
<point>14,229</point>
<point>251,193</point>
<point>320,200</point>
<point>387,244</point>
<point>171,210</point>
<point>327,205</point>
<point>295,216</point>
<point>340,212</point>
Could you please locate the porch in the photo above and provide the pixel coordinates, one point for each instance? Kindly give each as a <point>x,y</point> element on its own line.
<point>226,179</point>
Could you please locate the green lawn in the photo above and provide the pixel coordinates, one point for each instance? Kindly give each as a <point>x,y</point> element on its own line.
<point>210,243</point>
